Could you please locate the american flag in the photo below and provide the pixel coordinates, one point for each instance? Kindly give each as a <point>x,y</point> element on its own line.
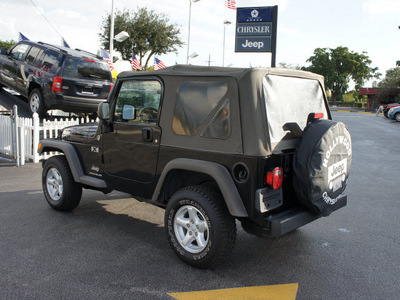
<point>21,37</point>
<point>158,64</point>
<point>230,4</point>
<point>135,63</point>
<point>104,54</point>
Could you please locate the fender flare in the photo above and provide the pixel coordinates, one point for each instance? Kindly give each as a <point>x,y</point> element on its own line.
<point>73,162</point>
<point>218,172</point>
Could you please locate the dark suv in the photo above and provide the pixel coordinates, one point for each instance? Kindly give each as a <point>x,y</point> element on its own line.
<point>210,145</point>
<point>53,77</point>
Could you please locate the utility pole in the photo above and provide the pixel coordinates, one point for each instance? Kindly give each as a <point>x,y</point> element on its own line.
<point>209,60</point>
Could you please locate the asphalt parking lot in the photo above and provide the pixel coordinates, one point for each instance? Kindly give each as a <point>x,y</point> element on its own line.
<point>114,247</point>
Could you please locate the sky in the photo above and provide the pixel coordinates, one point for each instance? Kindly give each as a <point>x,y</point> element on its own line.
<point>303,25</point>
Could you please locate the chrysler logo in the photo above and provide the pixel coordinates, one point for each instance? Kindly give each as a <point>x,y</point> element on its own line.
<point>254,13</point>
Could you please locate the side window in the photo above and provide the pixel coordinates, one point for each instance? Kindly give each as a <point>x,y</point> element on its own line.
<point>19,51</point>
<point>142,98</point>
<point>202,108</point>
<point>50,61</point>
<point>33,56</point>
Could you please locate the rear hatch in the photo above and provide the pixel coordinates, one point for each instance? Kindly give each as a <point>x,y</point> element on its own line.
<point>86,78</point>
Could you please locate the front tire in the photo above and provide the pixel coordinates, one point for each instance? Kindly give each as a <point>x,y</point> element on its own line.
<point>36,104</point>
<point>199,227</point>
<point>397,117</point>
<point>61,191</point>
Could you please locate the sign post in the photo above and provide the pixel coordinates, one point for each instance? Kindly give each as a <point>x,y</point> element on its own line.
<point>256,30</point>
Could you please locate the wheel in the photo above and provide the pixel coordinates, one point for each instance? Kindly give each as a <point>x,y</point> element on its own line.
<point>61,191</point>
<point>397,117</point>
<point>321,165</point>
<point>199,227</point>
<point>36,103</point>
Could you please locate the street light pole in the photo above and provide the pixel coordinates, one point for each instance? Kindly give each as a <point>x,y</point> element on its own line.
<point>190,19</point>
<point>226,23</point>
<point>112,31</point>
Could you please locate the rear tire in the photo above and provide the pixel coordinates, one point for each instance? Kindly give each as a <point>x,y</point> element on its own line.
<point>397,117</point>
<point>199,227</point>
<point>36,104</point>
<point>61,191</point>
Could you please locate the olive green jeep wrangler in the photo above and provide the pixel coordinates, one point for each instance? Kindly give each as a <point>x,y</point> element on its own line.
<point>210,145</point>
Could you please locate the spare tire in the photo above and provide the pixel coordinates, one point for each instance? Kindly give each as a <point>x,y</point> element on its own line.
<point>321,165</point>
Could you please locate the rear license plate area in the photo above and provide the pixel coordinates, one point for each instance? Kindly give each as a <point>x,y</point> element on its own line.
<point>87,90</point>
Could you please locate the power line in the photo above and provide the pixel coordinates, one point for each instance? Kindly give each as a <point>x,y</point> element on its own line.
<point>43,15</point>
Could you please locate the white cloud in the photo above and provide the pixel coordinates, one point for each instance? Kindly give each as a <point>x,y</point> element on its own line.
<point>377,7</point>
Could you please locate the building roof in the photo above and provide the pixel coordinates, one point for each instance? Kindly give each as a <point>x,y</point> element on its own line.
<point>375,91</point>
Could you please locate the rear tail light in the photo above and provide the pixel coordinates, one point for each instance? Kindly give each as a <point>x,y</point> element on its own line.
<point>57,83</point>
<point>111,86</point>
<point>275,178</point>
<point>314,116</point>
<point>318,116</point>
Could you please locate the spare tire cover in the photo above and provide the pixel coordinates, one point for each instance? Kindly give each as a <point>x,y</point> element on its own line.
<point>321,165</point>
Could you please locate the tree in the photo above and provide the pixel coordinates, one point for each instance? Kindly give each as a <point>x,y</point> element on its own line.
<point>339,66</point>
<point>389,85</point>
<point>149,34</point>
<point>7,44</point>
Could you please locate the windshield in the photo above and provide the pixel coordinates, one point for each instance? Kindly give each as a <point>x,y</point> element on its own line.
<point>86,68</point>
<point>291,100</point>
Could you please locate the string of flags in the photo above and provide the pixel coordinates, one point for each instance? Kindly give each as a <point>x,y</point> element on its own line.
<point>158,64</point>
<point>135,65</point>
<point>22,37</point>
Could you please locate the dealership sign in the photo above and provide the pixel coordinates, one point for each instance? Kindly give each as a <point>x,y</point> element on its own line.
<point>256,29</point>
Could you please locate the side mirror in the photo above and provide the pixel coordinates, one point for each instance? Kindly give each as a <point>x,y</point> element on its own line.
<point>4,51</point>
<point>128,112</point>
<point>103,111</point>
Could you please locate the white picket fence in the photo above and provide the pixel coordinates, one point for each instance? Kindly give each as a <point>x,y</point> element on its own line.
<point>19,137</point>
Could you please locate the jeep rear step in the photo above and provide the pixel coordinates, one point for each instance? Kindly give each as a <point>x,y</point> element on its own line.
<point>297,217</point>
<point>288,221</point>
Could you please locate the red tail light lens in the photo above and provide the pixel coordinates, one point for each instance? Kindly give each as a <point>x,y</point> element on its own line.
<point>319,116</point>
<point>111,86</point>
<point>57,83</point>
<point>314,116</point>
<point>275,178</point>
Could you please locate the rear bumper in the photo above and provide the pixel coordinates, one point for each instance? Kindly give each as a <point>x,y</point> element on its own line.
<point>79,104</point>
<point>76,104</point>
<point>293,219</point>
<point>287,221</point>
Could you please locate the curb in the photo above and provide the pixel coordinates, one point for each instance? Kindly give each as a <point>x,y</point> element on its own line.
<point>352,110</point>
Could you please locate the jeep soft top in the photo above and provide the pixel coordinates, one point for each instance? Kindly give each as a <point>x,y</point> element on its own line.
<point>210,145</point>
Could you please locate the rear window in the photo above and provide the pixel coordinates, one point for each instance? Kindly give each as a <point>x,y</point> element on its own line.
<point>291,100</point>
<point>86,68</point>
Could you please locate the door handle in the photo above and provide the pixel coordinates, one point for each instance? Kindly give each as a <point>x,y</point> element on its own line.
<point>147,134</point>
